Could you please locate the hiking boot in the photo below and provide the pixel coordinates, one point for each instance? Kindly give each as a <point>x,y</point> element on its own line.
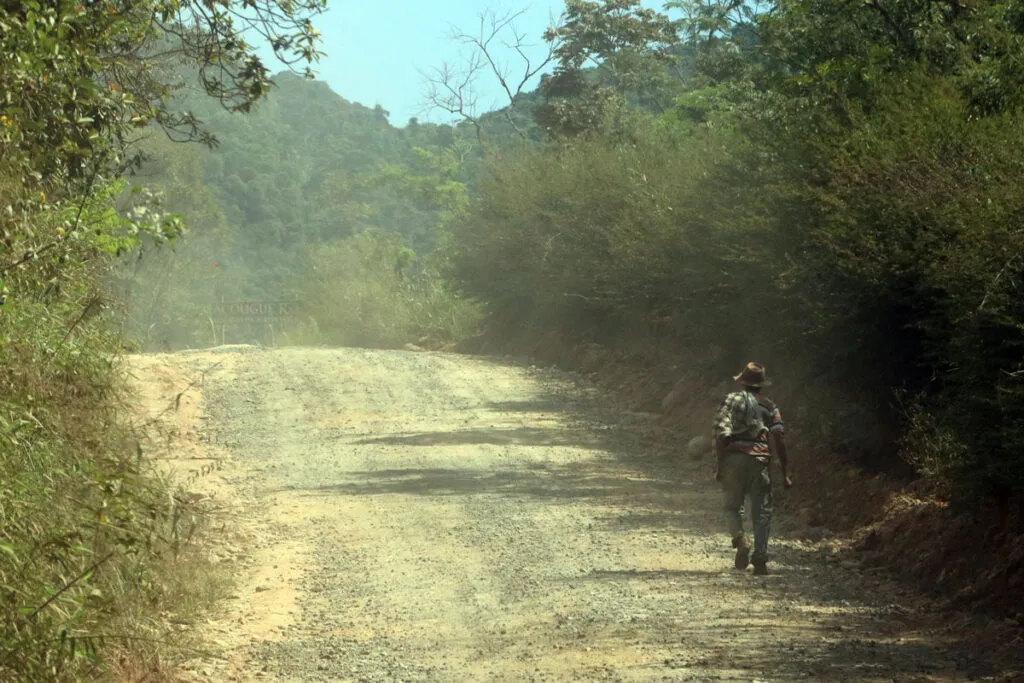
<point>742,546</point>
<point>760,564</point>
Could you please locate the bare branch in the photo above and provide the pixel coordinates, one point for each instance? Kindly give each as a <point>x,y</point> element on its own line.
<point>451,90</point>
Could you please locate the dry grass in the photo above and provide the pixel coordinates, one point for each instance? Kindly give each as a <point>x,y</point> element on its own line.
<point>102,563</point>
<point>190,587</point>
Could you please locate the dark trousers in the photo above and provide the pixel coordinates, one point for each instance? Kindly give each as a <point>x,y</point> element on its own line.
<point>745,476</point>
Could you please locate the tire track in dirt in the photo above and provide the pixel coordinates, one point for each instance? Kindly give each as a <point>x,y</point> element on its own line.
<point>432,517</point>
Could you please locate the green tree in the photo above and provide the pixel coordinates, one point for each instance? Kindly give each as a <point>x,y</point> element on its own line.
<point>628,49</point>
<point>79,81</point>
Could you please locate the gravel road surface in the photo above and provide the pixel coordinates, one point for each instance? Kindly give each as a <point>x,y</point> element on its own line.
<point>434,517</point>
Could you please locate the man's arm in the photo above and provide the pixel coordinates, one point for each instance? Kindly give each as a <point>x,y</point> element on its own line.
<point>779,449</point>
<point>720,443</point>
<point>777,443</point>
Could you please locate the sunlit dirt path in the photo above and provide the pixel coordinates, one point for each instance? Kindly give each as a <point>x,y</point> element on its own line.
<point>431,517</point>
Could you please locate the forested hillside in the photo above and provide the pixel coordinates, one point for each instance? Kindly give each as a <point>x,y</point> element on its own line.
<point>307,178</point>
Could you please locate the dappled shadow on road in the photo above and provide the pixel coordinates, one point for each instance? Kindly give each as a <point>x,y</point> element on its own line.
<point>796,582</point>
<point>824,651</point>
<point>548,404</point>
<point>825,627</point>
<point>522,436</point>
<point>651,574</point>
<point>538,480</point>
<point>812,634</point>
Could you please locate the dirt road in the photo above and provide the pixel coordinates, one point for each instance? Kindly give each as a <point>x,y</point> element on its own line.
<point>429,517</point>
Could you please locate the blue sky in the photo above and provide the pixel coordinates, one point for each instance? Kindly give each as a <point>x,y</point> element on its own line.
<point>376,51</point>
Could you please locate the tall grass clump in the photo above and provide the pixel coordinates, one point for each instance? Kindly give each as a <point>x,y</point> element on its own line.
<point>90,537</point>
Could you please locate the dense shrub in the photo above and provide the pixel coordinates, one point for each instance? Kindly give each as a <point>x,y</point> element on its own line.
<point>372,290</point>
<point>87,530</point>
<point>840,203</point>
<point>598,232</point>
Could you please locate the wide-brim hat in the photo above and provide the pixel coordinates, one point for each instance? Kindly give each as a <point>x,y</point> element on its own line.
<point>753,376</point>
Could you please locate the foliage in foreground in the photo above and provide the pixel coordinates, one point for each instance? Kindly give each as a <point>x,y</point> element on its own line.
<point>89,538</point>
<point>88,534</point>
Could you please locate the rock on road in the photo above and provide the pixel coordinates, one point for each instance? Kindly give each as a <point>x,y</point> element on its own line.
<point>434,517</point>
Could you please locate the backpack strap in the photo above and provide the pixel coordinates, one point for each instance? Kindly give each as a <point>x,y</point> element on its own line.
<point>768,405</point>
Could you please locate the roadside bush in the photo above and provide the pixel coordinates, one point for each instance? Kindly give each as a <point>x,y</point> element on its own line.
<point>372,290</point>
<point>166,290</point>
<point>596,234</point>
<point>87,532</point>
<point>916,250</point>
<point>883,257</point>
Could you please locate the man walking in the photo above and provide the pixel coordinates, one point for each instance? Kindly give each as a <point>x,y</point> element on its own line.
<point>748,430</point>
